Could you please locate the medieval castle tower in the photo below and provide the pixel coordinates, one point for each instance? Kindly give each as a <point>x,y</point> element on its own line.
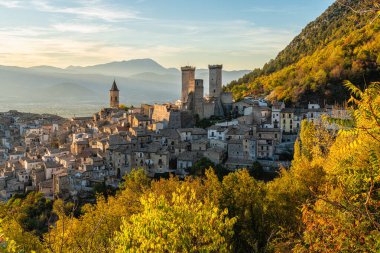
<point>216,104</point>
<point>114,96</point>
<point>188,83</point>
<point>215,88</point>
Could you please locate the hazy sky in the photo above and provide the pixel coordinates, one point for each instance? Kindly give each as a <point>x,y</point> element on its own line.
<point>241,34</point>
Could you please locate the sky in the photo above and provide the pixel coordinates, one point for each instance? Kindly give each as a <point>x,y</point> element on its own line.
<point>240,34</point>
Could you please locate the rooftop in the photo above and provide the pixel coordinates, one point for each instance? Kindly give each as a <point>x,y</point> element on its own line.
<point>114,86</point>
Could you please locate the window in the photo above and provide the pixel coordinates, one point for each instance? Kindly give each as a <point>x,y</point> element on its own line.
<point>275,135</point>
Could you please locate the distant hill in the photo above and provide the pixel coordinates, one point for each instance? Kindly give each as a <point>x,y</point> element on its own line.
<point>124,68</point>
<point>45,68</point>
<point>68,91</point>
<point>83,90</point>
<point>338,45</point>
<point>167,78</point>
<point>27,85</point>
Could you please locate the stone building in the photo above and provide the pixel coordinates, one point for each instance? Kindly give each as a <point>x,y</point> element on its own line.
<point>267,140</point>
<point>168,114</point>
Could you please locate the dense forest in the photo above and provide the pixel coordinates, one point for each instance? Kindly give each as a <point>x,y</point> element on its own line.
<point>342,44</point>
<point>328,201</point>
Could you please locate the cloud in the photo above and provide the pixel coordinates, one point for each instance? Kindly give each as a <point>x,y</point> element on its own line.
<point>6,32</point>
<point>10,4</point>
<point>89,10</point>
<point>80,28</point>
<point>87,32</point>
<point>63,51</point>
<point>86,9</point>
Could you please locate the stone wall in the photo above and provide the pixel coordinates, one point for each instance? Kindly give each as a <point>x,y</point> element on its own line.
<point>208,109</point>
<point>161,113</point>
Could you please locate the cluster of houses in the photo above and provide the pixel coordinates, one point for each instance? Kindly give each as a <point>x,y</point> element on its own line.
<point>67,158</point>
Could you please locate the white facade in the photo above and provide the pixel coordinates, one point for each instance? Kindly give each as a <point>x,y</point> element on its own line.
<point>217,133</point>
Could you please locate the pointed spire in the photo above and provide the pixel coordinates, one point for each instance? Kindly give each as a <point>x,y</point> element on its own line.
<point>114,86</point>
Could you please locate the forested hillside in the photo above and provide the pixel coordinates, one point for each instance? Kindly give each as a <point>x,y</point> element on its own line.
<point>343,43</point>
<point>328,201</point>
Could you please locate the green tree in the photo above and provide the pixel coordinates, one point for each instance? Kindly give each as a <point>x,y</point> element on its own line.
<point>345,217</point>
<point>257,170</point>
<point>91,232</point>
<point>199,168</point>
<point>242,195</point>
<point>182,224</point>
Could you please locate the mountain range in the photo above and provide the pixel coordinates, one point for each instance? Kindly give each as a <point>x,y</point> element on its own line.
<point>140,81</point>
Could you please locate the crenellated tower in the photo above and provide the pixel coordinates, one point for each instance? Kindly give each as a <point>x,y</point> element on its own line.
<point>215,81</point>
<point>188,82</point>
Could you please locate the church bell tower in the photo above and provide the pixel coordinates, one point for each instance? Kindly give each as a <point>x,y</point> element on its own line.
<point>114,96</point>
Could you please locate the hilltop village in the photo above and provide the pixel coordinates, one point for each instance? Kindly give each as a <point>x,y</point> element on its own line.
<point>69,157</point>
